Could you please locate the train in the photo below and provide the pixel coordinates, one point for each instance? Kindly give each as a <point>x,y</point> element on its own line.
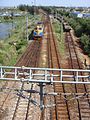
<point>38,31</point>
<point>66,27</point>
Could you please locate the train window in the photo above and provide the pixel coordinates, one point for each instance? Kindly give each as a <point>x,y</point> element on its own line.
<point>40,28</point>
<point>35,28</point>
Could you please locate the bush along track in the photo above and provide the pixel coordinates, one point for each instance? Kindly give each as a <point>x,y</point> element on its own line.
<point>15,44</point>
<point>58,29</point>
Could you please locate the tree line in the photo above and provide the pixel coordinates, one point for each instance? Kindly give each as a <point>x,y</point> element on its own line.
<point>27,8</point>
<point>81,27</point>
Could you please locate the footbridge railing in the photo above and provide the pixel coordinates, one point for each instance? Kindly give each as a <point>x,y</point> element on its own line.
<point>44,75</point>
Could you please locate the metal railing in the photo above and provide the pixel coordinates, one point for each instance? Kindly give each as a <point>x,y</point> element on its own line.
<point>44,75</point>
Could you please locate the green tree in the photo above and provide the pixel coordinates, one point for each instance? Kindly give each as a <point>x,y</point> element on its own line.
<point>78,30</point>
<point>22,7</point>
<point>72,22</point>
<point>85,41</point>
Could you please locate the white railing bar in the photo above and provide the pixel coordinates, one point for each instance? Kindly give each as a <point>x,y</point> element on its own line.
<point>48,69</point>
<point>47,75</point>
<point>9,73</point>
<point>30,77</point>
<point>28,73</point>
<point>47,81</point>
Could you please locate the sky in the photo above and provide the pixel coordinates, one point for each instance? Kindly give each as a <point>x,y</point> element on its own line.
<point>66,3</point>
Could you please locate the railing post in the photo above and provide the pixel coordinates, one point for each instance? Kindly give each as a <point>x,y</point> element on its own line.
<point>76,76</point>
<point>51,78</point>
<point>45,75</point>
<point>61,76</point>
<point>1,73</point>
<point>15,73</point>
<point>41,97</point>
<point>30,75</point>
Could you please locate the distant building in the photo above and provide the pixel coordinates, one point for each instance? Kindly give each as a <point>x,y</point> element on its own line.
<point>9,14</point>
<point>80,15</point>
<point>86,15</point>
<point>77,14</point>
<point>17,14</point>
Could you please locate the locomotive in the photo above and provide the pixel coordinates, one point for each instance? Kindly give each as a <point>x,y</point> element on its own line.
<point>66,27</point>
<point>38,31</point>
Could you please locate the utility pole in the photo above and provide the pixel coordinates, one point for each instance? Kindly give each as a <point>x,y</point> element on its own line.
<point>56,14</point>
<point>34,6</point>
<point>27,26</point>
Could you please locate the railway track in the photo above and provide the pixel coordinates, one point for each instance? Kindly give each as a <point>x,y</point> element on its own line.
<point>29,58</point>
<point>81,109</point>
<point>61,109</point>
<point>68,107</point>
<point>21,106</point>
<point>65,107</point>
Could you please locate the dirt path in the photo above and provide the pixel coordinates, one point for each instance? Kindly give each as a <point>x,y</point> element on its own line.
<point>84,58</point>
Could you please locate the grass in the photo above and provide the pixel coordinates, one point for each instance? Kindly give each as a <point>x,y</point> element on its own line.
<point>58,29</point>
<point>13,46</point>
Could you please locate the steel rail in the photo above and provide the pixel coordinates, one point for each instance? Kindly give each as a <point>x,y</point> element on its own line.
<point>56,64</point>
<point>75,63</point>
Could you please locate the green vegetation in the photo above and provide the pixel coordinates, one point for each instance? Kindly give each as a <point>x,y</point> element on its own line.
<point>8,54</point>
<point>85,41</point>
<point>58,28</point>
<point>47,9</point>
<point>81,27</point>
<point>82,30</point>
<point>27,8</point>
<point>12,47</point>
